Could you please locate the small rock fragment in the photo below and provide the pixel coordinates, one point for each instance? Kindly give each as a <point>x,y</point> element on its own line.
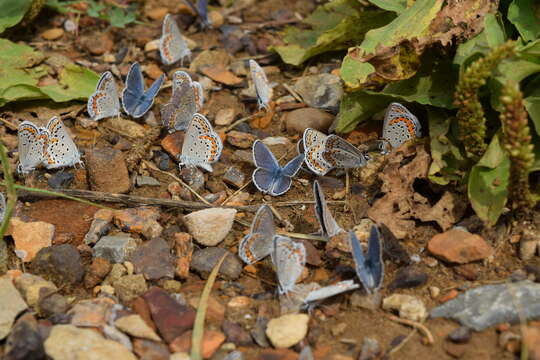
<point>408,277</point>
<point>24,341</point>
<point>205,260</point>
<point>459,246</point>
<point>140,220</point>
<point>172,143</point>
<point>234,176</point>
<point>128,287</point>
<point>52,304</point>
<point>30,237</point>
<point>154,260</point>
<point>241,140</point>
<point>210,226</point>
<point>370,349</point>
<point>60,180</point>
<point>320,91</point>
<point>91,312</point>
<point>31,286</point>
<point>146,181</point>
<point>52,34</point>
<point>107,170</point>
<point>236,334</point>
<point>211,341</point>
<point>461,335</point>
<point>115,249</point>
<point>135,326</point>
<point>60,263</point>
<point>224,116</point>
<point>299,120</point>
<point>184,252</point>
<point>98,269</point>
<point>150,350</point>
<point>409,307</point>
<point>287,330</point>
<point>12,305</point>
<point>193,176</point>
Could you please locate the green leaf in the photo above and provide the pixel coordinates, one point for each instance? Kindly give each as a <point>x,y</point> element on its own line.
<point>488,182</point>
<point>22,67</point>
<point>336,25</point>
<point>357,107</point>
<point>120,18</point>
<point>12,12</point>
<point>397,6</point>
<point>525,15</point>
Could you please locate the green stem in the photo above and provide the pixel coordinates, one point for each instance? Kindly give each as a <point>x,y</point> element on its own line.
<point>10,190</point>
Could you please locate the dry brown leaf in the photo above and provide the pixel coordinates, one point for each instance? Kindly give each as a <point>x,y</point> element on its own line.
<point>265,118</point>
<point>221,74</point>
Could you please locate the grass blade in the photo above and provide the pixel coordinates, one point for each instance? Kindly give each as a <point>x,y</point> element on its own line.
<point>10,190</point>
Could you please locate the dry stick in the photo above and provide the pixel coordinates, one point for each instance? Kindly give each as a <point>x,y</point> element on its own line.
<point>293,93</point>
<point>414,324</point>
<point>153,167</point>
<point>9,124</point>
<point>238,122</point>
<point>402,343</point>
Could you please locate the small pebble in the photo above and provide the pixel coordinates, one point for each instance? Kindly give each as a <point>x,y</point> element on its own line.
<point>461,335</point>
<point>287,330</point>
<point>60,180</point>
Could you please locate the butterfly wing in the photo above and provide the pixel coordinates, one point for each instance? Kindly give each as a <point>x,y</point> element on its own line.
<point>146,101</point>
<point>202,146</point>
<point>172,45</point>
<point>331,290</point>
<point>375,262</point>
<point>282,179</point>
<point>268,168</point>
<point>177,114</point>
<point>262,87</point>
<point>133,89</point>
<point>61,150</point>
<point>400,125</point>
<point>329,226</point>
<point>202,9</point>
<point>31,147</point>
<point>291,168</point>
<point>342,154</point>
<point>258,243</point>
<point>313,142</point>
<point>104,101</point>
<point>289,259</point>
<point>199,95</point>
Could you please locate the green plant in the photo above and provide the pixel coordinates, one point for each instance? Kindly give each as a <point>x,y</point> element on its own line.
<point>116,15</point>
<point>10,190</point>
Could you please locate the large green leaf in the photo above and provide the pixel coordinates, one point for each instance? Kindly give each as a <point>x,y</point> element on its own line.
<point>359,106</point>
<point>337,25</point>
<point>397,6</point>
<point>12,12</point>
<point>525,15</point>
<point>22,68</point>
<point>488,182</point>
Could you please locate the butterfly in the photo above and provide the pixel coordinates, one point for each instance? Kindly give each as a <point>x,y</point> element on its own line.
<point>326,152</point>
<point>258,243</point>
<point>262,87</point>
<point>369,267</point>
<point>2,207</point>
<point>330,290</point>
<point>269,177</point>
<point>202,146</point>
<point>104,101</point>
<point>187,99</point>
<point>135,101</point>
<point>33,142</point>
<point>329,226</point>
<point>399,126</point>
<point>61,150</point>
<point>172,45</point>
<point>289,259</point>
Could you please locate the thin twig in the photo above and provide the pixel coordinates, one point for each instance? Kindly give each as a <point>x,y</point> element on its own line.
<point>9,124</point>
<point>25,191</point>
<point>293,93</point>
<point>238,122</point>
<point>10,190</point>
<point>414,324</point>
<point>153,167</point>
<point>403,342</point>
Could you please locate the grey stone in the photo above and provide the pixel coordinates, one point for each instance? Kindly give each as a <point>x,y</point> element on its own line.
<point>320,91</point>
<point>153,259</point>
<point>234,176</point>
<point>98,228</point>
<point>62,264</point>
<point>146,181</point>
<point>116,249</point>
<point>12,304</point>
<point>60,180</point>
<point>204,260</point>
<point>25,342</point>
<point>193,177</point>
<point>370,349</point>
<point>489,305</point>
<point>461,335</point>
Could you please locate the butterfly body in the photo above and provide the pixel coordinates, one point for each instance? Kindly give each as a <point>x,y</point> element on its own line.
<point>135,100</point>
<point>400,125</point>
<point>258,243</point>
<point>104,101</point>
<point>369,267</point>
<point>262,87</point>
<point>202,146</point>
<point>289,259</point>
<point>269,177</point>
<point>172,45</point>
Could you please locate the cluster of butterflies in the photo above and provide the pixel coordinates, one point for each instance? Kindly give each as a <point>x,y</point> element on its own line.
<point>289,257</point>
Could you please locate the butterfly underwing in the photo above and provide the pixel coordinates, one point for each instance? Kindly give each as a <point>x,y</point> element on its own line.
<point>329,226</point>
<point>202,146</point>
<point>330,290</point>
<point>269,177</point>
<point>172,45</point>
<point>104,101</point>
<point>135,100</point>
<point>400,126</point>
<point>262,87</point>
<point>289,259</point>
<point>32,147</point>
<point>186,100</point>
<point>369,267</point>
<point>61,150</point>
<point>258,243</point>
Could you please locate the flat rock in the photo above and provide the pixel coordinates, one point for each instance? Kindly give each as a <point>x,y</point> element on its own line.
<point>140,220</point>
<point>211,341</point>
<point>409,307</point>
<point>489,305</point>
<point>129,287</point>
<point>92,312</point>
<point>53,304</point>
<point>146,181</point>
<point>24,341</point>
<point>67,342</point>
<point>60,180</point>
<point>30,237</point>
<point>135,326</point>
<point>287,330</point>
<point>171,318</point>
<point>210,226</point>
<point>97,271</point>
<point>115,249</point>
<point>236,334</point>
<point>299,120</point>
<point>12,304</point>
<point>193,176</point>
<point>150,350</point>
<point>172,143</point>
<point>225,116</point>
<point>60,263</point>
<point>153,259</point>
<point>204,260</point>
<point>459,246</point>
<point>234,177</point>
<point>184,251</point>
<point>320,91</point>
<point>408,277</point>
<point>107,170</point>
<point>32,286</point>
<point>240,139</point>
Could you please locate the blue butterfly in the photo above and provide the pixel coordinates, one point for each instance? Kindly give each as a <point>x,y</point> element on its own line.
<point>202,10</point>
<point>370,268</point>
<point>269,177</point>
<point>135,101</point>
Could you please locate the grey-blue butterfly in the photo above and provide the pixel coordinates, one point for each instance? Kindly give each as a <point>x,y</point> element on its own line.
<point>369,267</point>
<point>135,101</point>
<point>262,87</point>
<point>269,177</point>
<point>289,259</point>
